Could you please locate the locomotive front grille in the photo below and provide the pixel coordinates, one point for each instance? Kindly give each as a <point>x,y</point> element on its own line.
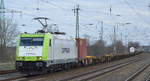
<point>29,65</point>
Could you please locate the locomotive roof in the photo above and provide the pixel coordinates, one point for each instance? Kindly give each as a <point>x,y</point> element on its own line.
<point>56,36</point>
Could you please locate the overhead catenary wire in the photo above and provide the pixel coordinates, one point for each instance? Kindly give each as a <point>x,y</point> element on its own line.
<point>54,4</point>
<point>138,14</point>
<point>135,11</point>
<point>66,9</point>
<point>63,8</point>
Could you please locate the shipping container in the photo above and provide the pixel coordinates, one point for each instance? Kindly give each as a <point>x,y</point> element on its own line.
<point>64,50</point>
<point>82,48</point>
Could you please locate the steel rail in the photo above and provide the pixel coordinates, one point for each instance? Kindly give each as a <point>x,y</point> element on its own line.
<point>133,76</point>
<point>112,68</point>
<point>148,78</point>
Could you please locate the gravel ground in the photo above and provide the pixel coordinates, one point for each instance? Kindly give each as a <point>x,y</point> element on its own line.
<point>123,73</point>
<point>64,74</point>
<point>10,76</point>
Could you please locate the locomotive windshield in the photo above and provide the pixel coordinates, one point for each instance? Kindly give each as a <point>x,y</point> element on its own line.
<point>31,41</point>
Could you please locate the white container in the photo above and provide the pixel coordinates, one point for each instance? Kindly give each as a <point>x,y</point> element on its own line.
<point>62,51</point>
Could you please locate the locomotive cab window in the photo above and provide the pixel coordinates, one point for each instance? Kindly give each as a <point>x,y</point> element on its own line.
<point>31,41</point>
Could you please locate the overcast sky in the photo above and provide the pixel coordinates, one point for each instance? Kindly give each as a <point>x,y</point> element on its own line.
<point>60,12</point>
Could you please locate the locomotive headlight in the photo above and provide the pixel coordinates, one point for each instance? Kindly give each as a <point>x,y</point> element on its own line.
<point>39,64</point>
<point>39,58</point>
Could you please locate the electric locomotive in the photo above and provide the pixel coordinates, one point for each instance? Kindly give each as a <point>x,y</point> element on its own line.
<point>43,52</point>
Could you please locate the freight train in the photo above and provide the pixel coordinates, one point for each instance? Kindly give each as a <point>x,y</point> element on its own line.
<point>45,52</point>
<point>42,52</point>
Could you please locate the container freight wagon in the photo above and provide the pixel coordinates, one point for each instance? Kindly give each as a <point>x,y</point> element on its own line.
<point>83,58</point>
<point>39,53</point>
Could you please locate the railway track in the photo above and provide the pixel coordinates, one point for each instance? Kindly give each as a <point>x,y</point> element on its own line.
<point>137,73</point>
<point>148,78</point>
<point>7,71</point>
<point>18,76</point>
<point>93,74</point>
<point>11,76</point>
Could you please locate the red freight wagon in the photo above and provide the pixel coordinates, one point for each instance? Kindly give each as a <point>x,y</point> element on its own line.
<point>82,48</point>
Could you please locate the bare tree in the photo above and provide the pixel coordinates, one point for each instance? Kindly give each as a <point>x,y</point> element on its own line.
<point>8,33</point>
<point>133,44</point>
<point>120,48</point>
<point>97,49</point>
